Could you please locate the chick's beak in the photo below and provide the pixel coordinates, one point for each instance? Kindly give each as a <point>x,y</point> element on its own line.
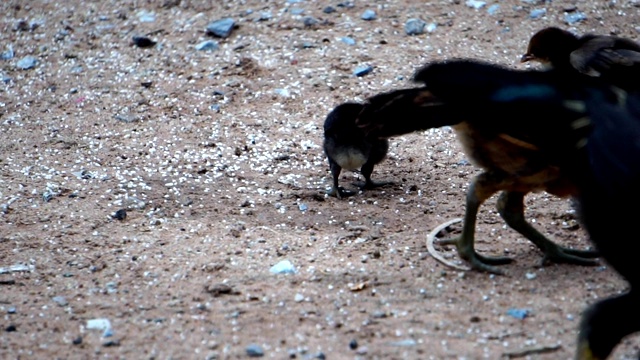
<point>527,57</point>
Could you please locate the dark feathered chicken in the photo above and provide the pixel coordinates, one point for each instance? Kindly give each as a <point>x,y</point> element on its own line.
<point>347,147</point>
<point>582,133</point>
<point>608,207</point>
<point>518,150</point>
<point>615,59</point>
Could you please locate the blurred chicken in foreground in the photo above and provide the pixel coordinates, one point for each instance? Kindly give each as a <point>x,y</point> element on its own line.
<point>582,132</point>
<point>519,149</point>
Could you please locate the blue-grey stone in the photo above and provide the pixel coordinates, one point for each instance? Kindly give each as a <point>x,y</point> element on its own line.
<point>346,4</point>
<point>347,40</point>
<point>77,69</point>
<point>221,28</point>
<point>146,16</point>
<point>283,267</point>
<point>431,27</point>
<point>329,10</point>
<point>574,17</point>
<point>518,313</point>
<point>309,21</point>
<point>296,11</point>
<point>537,13</point>
<point>493,9</point>
<point>11,310</point>
<point>6,79</point>
<point>215,107</point>
<point>254,350</point>
<point>476,4</point>
<point>368,15</point>
<point>294,1</point>
<point>363,70</point>
<point>282,92</point>
<point>208,45</point>
<point>7,54</point>
<point>100,324</point>
<point>414,26</point>
<point>27,62</point>
<point>303,207</point>
<point>112,287</point>
<point>60,300</point>
<point>406,342</point>
<point>264,16</point>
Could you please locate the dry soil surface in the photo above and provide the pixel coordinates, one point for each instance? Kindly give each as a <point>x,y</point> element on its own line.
<point>216,157</point>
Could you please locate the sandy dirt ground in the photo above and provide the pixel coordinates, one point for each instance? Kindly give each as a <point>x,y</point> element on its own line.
<point>216,158</point>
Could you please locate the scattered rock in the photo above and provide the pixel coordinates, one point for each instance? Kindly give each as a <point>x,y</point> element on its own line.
<point>11,328</point>
<point>119,215</point>
<point>143,41</point>
<point>363,70</point>
<point>476,4</point>
<point>60,300</point>
<point>17,268</point>
<point>406,342</point>
<point>27,62</point>
<point>380,314</point>
<point>77,341</point>
<point>574,17</point>
<point>346,4</point>
<point>111,343</point>
<point>221,28</point>
<point>537,13</point>
<point>127,118</point>
<point>133,203</point>
<point>347,40</point>
<point>298,298</point>
<point>353,344</point>
<point>7,54</point>
<point>100,324</point>
<point>309,21</point>
<point>328,10</point>
<point>264,16</point>
<point>414,27</point>
<point>368,15</point>
<point>208,45</point>
<point>146,16</point>
<point>493,9</point>
<point>220,289</point>
<point>518,313</point>
<point>254,350</point>
<point>283,267</point>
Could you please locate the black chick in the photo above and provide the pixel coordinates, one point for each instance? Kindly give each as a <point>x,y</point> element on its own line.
<point>347,147</point>
<point>608,207</point>
<point>615,59</point>
<point>519,149</point>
